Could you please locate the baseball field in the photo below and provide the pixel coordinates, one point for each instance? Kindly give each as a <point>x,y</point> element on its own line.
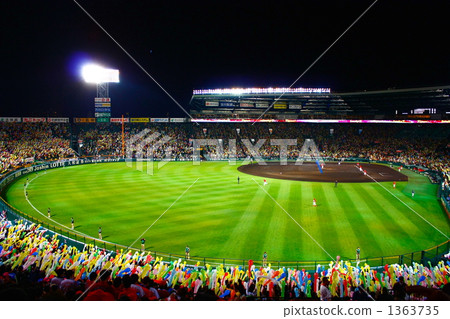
<point>205,207</point>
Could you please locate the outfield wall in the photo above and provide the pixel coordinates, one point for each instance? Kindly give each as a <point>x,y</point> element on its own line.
<point>81,241</point>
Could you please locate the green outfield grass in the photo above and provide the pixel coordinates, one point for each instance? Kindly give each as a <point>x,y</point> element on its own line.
<point>217,217</point>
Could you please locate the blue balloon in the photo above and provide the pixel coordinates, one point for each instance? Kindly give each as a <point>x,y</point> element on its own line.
<point>421,279</point>
<point>226,293</point>
<point>123,272</point>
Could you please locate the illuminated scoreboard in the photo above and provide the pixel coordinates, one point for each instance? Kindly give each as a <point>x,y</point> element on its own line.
<point>102,109</point>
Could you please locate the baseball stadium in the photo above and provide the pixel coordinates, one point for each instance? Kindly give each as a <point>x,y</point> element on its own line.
<point>321,180</point>
<point>225,151</point>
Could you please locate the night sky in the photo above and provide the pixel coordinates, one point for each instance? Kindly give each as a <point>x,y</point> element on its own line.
<point>188,45</point>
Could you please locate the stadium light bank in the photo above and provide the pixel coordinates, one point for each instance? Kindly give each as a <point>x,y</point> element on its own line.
<point>93,73</point>
<point>241,91</point>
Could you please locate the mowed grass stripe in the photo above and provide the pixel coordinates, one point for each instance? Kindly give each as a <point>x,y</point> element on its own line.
<point>268,227</point>
<point>305,237</point>
<point>425,192</point>
<point>275,235</point>
<point>424,203</point>
<point>374,216</point>
<point>295,237</point>
<point>177,226</point>
<point>407,223</point>
<point>140,197</point>
<point>390,220</point>
<point>248,219</point>
<point>366,238</point>
<point>212,230</point>
<point>328,225</point>
<point>309,220</point>
<point>432,212</point>
<point>257,232</point>
<point>348,237</point>
<point>426,198</point>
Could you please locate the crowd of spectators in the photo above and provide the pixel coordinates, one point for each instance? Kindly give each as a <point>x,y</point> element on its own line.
<point>34,266</point>
<point>420,145</point>
<point>101,139</point>
<point>22,143</point>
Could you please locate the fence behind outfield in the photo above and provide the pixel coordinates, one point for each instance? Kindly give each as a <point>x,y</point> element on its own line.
<point>73,238</point>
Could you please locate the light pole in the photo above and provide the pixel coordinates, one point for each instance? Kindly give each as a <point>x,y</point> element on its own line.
<point>101,76</point>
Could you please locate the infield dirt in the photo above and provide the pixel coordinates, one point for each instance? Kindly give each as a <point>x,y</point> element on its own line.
<point>343,173</point>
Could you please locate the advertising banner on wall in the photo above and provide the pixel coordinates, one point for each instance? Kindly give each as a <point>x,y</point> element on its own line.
<point>280,106</point>
<point>227,104</point>
<point>57,119</point>
<point>139,120</point>
<point>160,119</point>
<point>11,119</point>
<point>34,119</point>
<point>119,120</point>
<point>84,120</point>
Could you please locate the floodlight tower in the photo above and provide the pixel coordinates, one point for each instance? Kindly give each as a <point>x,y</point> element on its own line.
<point>101,77</point>
<point>103,90</point>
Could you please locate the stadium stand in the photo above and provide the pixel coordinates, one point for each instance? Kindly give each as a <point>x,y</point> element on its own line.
<point>36,267</point>
<point>29,142</point>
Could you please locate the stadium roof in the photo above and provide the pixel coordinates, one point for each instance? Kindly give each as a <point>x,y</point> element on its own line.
<point>402,100</point>
<point>433,101</point>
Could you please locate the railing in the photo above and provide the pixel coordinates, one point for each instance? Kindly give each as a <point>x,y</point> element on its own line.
<point>75,239</point>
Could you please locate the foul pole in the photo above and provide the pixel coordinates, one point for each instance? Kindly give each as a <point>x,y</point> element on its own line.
<point>123,139</point>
